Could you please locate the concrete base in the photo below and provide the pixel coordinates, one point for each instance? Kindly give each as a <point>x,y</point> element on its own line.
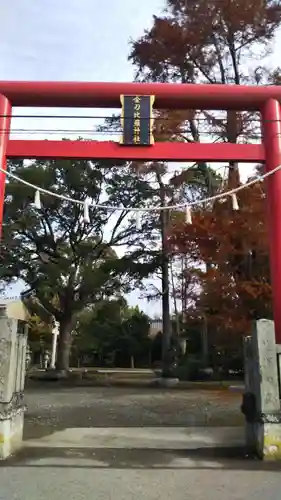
<point>269,438</point>
<point>264,440</point>
<point>11,434</point>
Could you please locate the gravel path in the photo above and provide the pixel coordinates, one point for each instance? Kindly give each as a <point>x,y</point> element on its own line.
<point>50,410</point>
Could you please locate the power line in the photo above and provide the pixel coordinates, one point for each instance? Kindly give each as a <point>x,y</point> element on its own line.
<point>119,131</point>
<point>116,132</point>
<point>117,117</point>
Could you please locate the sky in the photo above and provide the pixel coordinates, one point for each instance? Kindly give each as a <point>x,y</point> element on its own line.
<point>71,40</point>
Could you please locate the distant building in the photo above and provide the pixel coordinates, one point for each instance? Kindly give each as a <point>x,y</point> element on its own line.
<point>13,308</point>
<point>156,326</point>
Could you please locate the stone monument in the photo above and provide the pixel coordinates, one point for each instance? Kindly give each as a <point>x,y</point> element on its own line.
<point>261,401</point>
<point>13,340</point>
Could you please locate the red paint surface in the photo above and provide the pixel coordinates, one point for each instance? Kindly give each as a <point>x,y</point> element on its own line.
<point>168,95</point>
<point>5,121</point>
<point>169,151</point>
<point>272,143</point>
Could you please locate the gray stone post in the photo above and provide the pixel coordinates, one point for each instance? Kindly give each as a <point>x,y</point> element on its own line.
<point>12,378</point>
<point>262,398</point>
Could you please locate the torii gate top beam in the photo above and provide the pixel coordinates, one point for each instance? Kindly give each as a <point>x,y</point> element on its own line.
<point>168,95</point>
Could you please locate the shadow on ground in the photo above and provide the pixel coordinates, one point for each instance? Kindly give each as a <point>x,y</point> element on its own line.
<point>93,458</point>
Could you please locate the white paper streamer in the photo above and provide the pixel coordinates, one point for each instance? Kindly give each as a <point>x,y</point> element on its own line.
<point>235,205</point>
<point>37,200</point>
<point>86,215</point>
<point>188,217</point>
<point>138,221</point>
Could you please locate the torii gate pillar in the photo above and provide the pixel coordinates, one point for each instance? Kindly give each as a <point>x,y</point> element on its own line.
<point>5,122</point>
<point>271,116</point>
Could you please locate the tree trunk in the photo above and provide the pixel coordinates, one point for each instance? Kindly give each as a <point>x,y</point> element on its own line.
<point>166,338</point>
<point>166,320</point>
<point>205,342</point>
<point>150,357</point>
<point>64,345</point>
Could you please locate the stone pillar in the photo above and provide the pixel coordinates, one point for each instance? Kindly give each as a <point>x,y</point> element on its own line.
<point>12,378</point>
<point>261,403</point>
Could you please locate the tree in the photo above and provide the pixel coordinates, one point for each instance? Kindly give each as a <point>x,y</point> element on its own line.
<point>135,341</point>
<point>97,328</point>
<point>67,262</point>
<point>167,190</point>
<point>235,287</point>
<point>207,41</point>
<point>40,324</point>
<point>114,333</point>
<point>39,334</point>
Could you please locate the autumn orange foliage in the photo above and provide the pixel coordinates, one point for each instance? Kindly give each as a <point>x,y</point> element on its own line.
<point>230,251</point>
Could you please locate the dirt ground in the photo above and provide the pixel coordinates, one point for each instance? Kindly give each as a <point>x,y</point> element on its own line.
<point>52,409</point>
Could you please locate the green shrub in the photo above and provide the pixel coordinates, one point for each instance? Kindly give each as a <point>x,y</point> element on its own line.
<point>190,368</point>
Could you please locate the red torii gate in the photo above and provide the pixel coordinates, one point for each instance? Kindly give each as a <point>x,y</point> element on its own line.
<point>167,96</point>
